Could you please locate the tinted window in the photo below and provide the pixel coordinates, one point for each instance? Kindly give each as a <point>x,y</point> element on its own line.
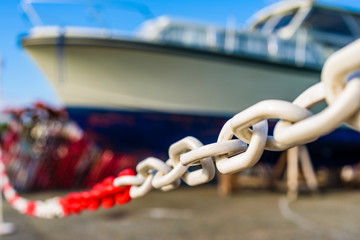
<point>357,19</point>
<point>284,21</point>
<point>323,20</point>
<point>260,25</point>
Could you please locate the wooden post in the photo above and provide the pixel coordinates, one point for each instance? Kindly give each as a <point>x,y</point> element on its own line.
<point>292,173</point>
<point>226,184</point>
<point>290,161</point>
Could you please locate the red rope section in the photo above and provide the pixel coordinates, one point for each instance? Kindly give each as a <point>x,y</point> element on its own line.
<point>103,194</point>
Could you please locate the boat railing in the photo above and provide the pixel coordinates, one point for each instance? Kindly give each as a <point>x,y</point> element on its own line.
<point>299,50</point>
<point>89,32</point>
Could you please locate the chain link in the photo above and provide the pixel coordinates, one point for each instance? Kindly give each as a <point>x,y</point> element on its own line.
<point>336,72</point>
<point>230,147</point>
<point>200,176</point>
<point>228,165</point>
<point>297,126</point>
<point>268,109</point>
<point>345,106</point>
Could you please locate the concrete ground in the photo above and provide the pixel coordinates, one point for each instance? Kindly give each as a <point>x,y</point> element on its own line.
<point>200,213</point>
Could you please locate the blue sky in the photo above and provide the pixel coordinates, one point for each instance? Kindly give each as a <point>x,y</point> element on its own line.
<point>22,83</point>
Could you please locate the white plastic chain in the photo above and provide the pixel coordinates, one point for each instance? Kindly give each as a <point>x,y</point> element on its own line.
<point>339,86</point>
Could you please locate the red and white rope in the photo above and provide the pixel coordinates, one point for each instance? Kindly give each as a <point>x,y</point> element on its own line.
<point>103,194</point>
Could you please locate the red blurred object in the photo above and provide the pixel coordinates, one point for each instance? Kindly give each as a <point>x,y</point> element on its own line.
<point>43,149</point>
<point>103,193</point>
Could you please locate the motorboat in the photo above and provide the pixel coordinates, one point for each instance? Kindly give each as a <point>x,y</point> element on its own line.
<point>173,78</point>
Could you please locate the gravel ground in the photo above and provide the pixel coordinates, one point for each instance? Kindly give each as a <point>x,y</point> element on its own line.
<point>200,213</point>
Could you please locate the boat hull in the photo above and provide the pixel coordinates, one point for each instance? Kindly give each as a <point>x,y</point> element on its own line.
<point>144,134</point>
<point>116,73</point>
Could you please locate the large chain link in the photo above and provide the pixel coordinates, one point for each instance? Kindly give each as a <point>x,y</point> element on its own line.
<point>339,86</point>
<point>336,73</point>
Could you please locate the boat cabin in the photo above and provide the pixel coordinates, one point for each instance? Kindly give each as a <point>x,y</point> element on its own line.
<point>294,32</point>
<point>327,25</point>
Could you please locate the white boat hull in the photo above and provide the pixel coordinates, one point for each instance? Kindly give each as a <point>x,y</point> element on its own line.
<point>134,75</point>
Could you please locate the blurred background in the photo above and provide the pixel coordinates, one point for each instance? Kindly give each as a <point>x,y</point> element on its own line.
<point>89,88</point>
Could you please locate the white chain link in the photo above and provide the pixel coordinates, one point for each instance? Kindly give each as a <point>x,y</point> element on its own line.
<point>268,109</point>
<point>200,176</point>
<point>336,72</point>
<point>297,126</point>
<point>211,150</point>
<point>345,106</point>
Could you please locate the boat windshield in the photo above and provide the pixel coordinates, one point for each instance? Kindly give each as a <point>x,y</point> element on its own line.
<point>324,21</point>
<point>356,18</point>
<point>274,23</point>
<point>330,27</point>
